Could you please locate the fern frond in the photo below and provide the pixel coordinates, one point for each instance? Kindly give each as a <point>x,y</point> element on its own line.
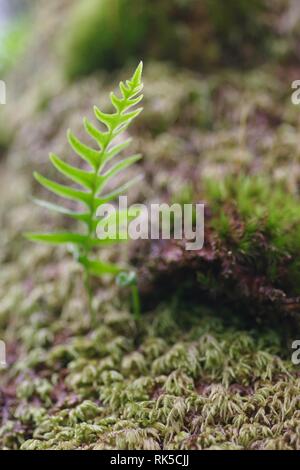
<point>84,178</point>
<point>116,192</point>
<point>64,191</point>
<point>92,182</point>
<point>58,238</point>
<point>88,154</point>
<point>115,150</point>
<point>101,138</point>
<point>100,268</point>
<point>80,216</point>
<point>113,171</point>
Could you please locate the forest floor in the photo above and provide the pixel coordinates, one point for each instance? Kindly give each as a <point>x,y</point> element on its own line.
<point>200,370</point>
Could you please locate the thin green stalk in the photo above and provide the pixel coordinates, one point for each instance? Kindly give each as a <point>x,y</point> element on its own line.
<point>136,302</point>
<point>89,293</point>
<point>87,282</point>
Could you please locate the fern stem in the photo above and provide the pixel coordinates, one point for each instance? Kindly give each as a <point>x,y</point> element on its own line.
<point>88,289</point>
<point>136,302</point>
<point>87,281</point>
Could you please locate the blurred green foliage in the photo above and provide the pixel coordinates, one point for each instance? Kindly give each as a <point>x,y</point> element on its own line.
<point>261,207</point>
<point>13,42</point>
<point>238,24</point>
<point>258,219</point>
<point>102,33</point>
<point>109,33</point>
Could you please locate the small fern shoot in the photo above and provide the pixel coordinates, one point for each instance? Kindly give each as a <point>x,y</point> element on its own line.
<point>94,180</point>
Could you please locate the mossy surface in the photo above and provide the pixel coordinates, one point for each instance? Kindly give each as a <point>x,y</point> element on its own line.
<point>193,374</point>
<point>203,34</point>
<point>260,221</point>
<point>197,372</point>
<point>180,380</point>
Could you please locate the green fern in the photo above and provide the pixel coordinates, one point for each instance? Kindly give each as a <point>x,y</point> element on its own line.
<point>94,181</point>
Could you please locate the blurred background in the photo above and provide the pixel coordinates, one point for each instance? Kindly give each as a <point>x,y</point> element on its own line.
<point>217,78</point>
<point>92,35</point>
<point>217,98</point>
<point>218,126</point>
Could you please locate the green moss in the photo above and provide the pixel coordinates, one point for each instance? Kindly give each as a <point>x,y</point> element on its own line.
<point>108,33</point>
<point>239,22</point>
<point>258,219</point>
<point>203,386</point>
<point>103,33</point>
<point>197,377</point>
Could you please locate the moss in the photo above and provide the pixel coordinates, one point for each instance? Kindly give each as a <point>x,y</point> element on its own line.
<point>239,23</point>
<point>195,374</point>
<point>259,220</point>
<point>97,28</point>
<point>204,386</point>
<point>108,33</point>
